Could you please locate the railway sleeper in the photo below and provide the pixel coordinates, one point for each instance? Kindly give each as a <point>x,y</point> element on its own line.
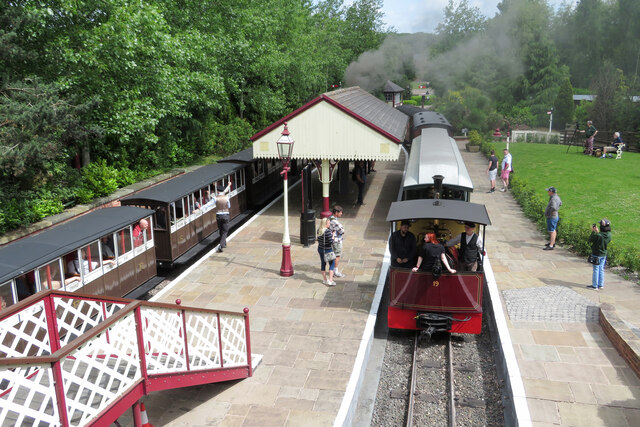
<point>470,402</point>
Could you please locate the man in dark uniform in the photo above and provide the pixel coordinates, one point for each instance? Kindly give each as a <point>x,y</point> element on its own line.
<point>402,245</point>
<point>470,247</point>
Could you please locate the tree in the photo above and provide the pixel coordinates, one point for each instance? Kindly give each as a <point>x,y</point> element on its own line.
<point>461,21</point>
<point>563,105</point>
<point>467,108</point>
<point>363,27</point>
<point>40,133</point>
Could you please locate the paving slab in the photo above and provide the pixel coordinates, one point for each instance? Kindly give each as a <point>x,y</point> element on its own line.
<point>572,374</point>
<point>309,334</point>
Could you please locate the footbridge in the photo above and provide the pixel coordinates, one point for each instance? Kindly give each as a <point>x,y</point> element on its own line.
<point>74,360</point>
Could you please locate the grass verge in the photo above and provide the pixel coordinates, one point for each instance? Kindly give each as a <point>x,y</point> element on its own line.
<point>590,189</point>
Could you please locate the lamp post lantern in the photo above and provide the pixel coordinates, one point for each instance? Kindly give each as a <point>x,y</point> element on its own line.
<point>285,148</point>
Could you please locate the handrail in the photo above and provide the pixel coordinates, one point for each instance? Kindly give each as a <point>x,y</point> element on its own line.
<point>173,346</point>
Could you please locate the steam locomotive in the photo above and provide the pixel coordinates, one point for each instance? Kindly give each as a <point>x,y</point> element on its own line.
<point>435,199</point>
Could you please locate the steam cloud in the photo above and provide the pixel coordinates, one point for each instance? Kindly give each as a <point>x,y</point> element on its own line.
<point>493,51</point>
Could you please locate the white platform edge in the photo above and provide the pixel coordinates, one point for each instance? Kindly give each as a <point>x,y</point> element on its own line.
<point>349,403</point>
<point>521,408</point>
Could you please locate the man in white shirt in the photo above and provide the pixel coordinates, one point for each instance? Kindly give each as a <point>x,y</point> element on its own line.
<point>506,170</point>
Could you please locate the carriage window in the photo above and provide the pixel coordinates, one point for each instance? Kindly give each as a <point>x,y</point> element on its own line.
<point>124,241</point>
<point>107,247</point>
<point>91,257</point>
<point>26,285</point>
<point>187,202</point>
<point>51,275</point>
<point>179,206</point>
<point>141,232</point>
<point>160,219</point>
<point>6,295</point>
<point>239,179</point>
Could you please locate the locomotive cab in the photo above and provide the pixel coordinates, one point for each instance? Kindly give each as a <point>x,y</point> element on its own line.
<point>420,300</point>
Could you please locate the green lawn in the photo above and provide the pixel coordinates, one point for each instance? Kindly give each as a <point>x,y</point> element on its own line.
<point>590,188</point>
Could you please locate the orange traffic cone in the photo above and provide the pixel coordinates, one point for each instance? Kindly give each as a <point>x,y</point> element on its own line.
<point>143,416</point>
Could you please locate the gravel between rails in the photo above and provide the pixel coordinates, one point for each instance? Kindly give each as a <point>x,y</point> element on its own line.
<point>475,378</point>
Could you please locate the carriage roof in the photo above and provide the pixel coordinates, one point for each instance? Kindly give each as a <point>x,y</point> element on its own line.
<point>456,210</point>
<point>434,152</point>
<point>428,118</point>
<point>180,186</point>
<point>22,256</point>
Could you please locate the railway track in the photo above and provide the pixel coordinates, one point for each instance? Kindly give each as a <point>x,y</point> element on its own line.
<point>431,383</point>
<point>446,381</point>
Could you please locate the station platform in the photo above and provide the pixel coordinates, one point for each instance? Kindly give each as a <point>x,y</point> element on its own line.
<point>571,372</point>
<point>309,334</point>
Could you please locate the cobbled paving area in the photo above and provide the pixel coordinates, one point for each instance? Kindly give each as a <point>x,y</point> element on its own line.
<point>549,304</point>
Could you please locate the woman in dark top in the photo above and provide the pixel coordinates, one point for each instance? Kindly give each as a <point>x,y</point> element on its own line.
<point>430,251</point>
<point>599,242</point>
<point>325,242</point>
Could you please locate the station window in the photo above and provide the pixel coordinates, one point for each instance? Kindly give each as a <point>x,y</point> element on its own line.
<point>51,275</point>
<point>6,295</point>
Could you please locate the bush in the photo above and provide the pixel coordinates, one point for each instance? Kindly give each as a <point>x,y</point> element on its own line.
<point>410,102</point>
<point>99,179</point>
<point>475,138</point>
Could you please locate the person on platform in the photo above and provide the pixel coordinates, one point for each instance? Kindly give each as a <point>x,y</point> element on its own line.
<point>338,236</point>
<point>325,246</point>
<point>552,217</point>
<point>402,245</point>
<point>223,209</point>
<point>506,169</point>
<point>431,250</point>
<point>470,247</point>
<point>360,177</point>
<point>492,170</point>
<point>599,241</point>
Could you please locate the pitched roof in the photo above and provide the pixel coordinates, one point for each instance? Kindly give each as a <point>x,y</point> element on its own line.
<point>346,124</point>
<point>372,110</point>
<point>390,86</point>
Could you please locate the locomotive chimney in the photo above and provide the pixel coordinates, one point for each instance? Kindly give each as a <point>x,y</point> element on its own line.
<point>437,185</point>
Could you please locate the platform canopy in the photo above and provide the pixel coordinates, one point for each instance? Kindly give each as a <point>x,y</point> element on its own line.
<point>346,124</point>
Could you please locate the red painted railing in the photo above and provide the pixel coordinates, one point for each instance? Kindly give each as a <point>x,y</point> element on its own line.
<point>69,359</point>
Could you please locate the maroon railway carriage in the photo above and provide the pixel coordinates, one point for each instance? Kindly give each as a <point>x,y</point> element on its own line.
<point>452,302</point>
<point>104,252</point>
<point>184,206</point>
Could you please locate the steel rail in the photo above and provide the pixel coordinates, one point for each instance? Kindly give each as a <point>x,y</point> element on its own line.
<point>412,385</point>
<point>452,404</point>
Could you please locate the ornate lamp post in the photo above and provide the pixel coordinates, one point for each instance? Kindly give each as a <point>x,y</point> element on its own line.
<point>285,148</point>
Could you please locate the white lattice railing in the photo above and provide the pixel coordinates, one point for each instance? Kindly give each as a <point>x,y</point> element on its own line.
<point>67,359</point>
